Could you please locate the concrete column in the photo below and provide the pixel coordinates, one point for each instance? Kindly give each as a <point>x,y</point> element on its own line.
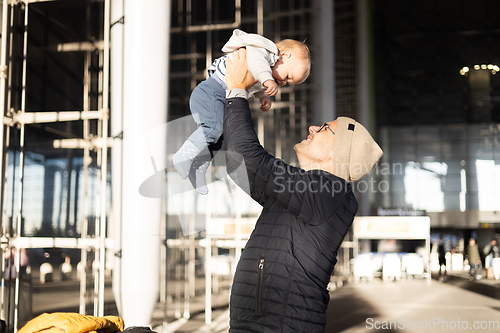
<point>116,119</point>
<point>363,68</point>
<point>144,104</point>
<point>323,52</point>
<point>364,87</point>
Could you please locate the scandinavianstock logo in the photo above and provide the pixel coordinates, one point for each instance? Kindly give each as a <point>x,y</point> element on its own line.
<point>159,179</point>
<point>163,181</point>
<point>285,181</point>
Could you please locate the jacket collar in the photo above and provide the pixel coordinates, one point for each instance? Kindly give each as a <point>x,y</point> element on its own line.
<point>340,183</point>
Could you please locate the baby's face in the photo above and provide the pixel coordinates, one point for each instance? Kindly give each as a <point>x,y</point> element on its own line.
<point>289,69</point>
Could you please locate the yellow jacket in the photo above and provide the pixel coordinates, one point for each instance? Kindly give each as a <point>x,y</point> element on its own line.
<point>72,323</point>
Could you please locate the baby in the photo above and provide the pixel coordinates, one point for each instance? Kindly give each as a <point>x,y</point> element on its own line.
<point>272,65</point>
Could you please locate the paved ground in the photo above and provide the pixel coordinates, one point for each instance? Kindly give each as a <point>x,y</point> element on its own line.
<point>411,306</point>
<point>407,306</point>
<point>452,306</point>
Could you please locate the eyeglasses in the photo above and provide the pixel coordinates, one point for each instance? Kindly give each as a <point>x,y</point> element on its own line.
<point>323,126</point>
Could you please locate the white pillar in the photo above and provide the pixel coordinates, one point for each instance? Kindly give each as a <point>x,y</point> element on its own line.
<point>116,118</point>
<point>145,91</point>
<point>324,58</point>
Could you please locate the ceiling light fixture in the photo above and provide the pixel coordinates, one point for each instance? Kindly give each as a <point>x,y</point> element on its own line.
<point>493,68</point>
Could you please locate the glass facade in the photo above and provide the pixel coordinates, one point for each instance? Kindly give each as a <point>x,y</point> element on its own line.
<point>439,168</point>
<point>53,177</point>
<point>438,108</point>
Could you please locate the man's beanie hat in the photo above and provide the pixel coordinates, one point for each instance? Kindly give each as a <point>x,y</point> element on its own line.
<point>355,153</point>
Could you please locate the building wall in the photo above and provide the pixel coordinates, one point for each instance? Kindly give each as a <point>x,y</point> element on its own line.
<point>438,108</point>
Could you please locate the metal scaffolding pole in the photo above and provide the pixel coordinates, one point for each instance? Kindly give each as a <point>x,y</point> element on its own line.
<point>3,78</point>
<point>6,229</point>
<point>260,31</point>
<point>21,166</point>
<point>86,162</point>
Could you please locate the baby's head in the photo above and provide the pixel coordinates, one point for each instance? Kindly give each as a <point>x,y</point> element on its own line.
<point>294,64</point>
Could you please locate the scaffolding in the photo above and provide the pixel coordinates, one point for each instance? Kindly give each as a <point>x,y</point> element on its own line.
<point>94,144</point>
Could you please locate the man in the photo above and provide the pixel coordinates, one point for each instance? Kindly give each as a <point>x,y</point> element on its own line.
<point>474,259</point>
<point>281,280</point>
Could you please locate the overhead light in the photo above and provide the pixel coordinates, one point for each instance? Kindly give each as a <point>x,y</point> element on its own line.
<point>493,68</point>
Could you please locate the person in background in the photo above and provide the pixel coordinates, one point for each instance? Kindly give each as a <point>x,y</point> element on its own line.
<point>495,261</point>
<point>474,259</point>
<point>11,257</point>
<point>442,259</point>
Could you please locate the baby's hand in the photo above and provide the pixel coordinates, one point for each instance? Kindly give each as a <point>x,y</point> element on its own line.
<point>272,87</point>
<point>265,103</point>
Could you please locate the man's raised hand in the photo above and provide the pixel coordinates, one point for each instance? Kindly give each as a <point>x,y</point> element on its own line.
<point>237,74</point>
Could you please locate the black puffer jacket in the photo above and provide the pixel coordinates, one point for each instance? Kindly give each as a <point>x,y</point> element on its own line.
<point>281,280</point>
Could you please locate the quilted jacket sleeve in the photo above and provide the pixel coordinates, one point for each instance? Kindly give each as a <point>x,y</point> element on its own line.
<point>265,177</point>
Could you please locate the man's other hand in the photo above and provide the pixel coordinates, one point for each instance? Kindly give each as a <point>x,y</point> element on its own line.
<point>237,74</point>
